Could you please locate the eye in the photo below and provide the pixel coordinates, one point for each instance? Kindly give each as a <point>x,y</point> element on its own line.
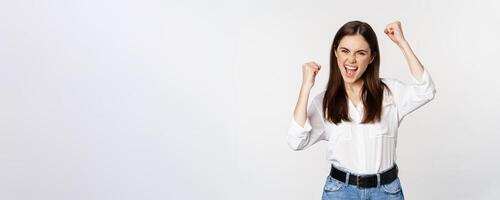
<point>362,53</point>
<point>344,51</point>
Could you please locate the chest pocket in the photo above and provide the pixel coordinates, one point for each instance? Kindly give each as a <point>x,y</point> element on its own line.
<point>340,132</point>
<point>380,130</point>
<point>385,127</point>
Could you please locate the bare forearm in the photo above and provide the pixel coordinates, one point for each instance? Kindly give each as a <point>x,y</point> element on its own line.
<point>309,69</point>
<point>300,112</point>
<point>416,68</point>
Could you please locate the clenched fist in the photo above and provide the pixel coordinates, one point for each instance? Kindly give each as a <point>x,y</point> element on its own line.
<point>395,32</point>
<point>309,72</point>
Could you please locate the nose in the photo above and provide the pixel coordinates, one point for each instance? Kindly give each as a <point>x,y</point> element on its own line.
<point>351,58</point>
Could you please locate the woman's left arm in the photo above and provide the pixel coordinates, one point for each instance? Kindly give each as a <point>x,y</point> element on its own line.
<point>395,33</point>
<point>410,97</point>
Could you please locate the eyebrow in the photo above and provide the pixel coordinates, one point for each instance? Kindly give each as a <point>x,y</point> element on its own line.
<point>356,51</point>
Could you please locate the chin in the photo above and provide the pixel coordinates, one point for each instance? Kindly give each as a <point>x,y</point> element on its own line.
<point>350,80</point>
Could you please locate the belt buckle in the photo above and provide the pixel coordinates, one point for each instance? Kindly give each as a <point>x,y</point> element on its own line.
<point>359,180</point>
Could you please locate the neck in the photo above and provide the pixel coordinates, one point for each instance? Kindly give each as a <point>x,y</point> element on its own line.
<point>354,88</point>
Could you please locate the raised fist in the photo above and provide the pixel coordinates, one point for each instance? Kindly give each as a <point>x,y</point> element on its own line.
<point>395,32</point>
<point>309,72</point>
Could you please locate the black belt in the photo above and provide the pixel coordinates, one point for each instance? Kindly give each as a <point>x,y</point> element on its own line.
<point>366,181</point>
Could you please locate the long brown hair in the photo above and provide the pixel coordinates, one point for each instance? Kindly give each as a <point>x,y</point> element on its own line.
<point>335,108</point>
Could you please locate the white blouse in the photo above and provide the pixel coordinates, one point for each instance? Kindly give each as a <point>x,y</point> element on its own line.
<point>363,148</point>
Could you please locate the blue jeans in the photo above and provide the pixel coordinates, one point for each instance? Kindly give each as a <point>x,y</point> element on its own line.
<point>335,189</point>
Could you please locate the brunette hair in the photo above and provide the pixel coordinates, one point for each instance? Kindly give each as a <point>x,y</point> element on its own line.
<point>335,108</point>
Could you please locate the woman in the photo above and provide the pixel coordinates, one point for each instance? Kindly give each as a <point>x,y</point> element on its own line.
<point>359,113</point>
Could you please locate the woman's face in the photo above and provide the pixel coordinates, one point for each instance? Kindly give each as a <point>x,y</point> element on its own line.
<point>353,56</point>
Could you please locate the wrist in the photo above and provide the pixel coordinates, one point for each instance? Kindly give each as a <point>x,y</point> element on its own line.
<point>306,87</point>
<point>403,44</point>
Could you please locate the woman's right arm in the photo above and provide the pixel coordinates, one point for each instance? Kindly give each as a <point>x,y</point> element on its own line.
<point>309,71</point>
<point>306,127</point>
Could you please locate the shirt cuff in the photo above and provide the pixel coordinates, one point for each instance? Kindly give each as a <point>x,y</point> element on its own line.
<point>425,87</point>
<point>298,130</point>
<point>425,78</point>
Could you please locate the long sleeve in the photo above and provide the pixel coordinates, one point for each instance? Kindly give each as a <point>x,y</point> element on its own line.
<point>410,97</point>
<point>299,137</point>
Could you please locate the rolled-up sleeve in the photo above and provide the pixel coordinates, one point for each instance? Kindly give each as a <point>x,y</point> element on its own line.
<point>299,137</point>
<point>410,97</point>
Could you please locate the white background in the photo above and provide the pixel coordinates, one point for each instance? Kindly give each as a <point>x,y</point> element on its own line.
<point>191,99</point>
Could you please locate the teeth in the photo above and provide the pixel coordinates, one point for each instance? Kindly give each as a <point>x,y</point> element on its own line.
<point>350,67</point>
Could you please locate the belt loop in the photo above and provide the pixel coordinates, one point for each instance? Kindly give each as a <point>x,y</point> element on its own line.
<point>347,178</point>
<point>378,180</point>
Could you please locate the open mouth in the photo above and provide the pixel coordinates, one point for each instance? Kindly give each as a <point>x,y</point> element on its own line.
<point>350,70</point>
